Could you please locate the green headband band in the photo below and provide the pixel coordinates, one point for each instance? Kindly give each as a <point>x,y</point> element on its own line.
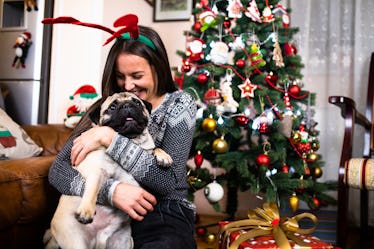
<point>141,39</point>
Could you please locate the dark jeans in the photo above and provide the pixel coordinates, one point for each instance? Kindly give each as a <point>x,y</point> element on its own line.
<point>169,226</point>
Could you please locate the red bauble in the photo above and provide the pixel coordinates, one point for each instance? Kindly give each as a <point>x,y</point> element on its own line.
<point>285,169</point>
<point>294,90</point>
<point>186,68</point>
<point>272,78</point>
<point>241,120</point>
<point>263,159</point>
<point>289,49</point>
<point>315,205</point>
<point>197,27</point>
<point>202,78</point>
<point>303,147</point>
<point>240,63</point>
<point>226,23</point>
<point>198,159</point>
<point>201,231</point>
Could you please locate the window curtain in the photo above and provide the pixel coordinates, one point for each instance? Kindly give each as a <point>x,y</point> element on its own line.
<point>335,41</point>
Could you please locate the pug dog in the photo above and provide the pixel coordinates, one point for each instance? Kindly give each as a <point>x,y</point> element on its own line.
<point>78,222</point>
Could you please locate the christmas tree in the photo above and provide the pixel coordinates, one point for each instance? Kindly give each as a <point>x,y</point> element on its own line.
<point>255,118</point>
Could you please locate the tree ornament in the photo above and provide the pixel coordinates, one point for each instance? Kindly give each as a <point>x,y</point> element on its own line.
<point>212,96</point>
<point>296,137</point>
<point>263,160</point>
<point>263,126</point>
<point>312,156</point>
<point>241,120</point>
<point>197,27</point>
<point>219,54</point>
<point>315,204</point>
<point>186,67</point>
<point>209,124</point>
<point>247,88</point>
<point>198,159</point>
<point>303,147</point>
<point>229,104</point>
<point>314,145</point>
<point>220,145</point>
<point>267,16</point>
<point>252,12</point>
<point>234,9</point>
<point>227,23</point>
<point>285,168</point>
<point>317,172</point>
<point>202,78</point>
<point>272,78</point>
<point>210,238</point>
<point>256,57</point>
<point>240,63</point>
<point>289,49</point>
<point>277,53</point>
<point>201,231</point>
<point>294,90</point>
<point>213,192</point>
<point>195,49</point>
<point>294,202</point>
<point>207,19</point>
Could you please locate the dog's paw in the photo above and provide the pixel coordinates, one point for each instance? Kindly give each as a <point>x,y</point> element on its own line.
<point>163,159</point>
<point>84,216</point>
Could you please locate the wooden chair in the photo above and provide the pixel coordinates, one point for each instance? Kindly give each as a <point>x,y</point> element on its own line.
<point>348,164</point>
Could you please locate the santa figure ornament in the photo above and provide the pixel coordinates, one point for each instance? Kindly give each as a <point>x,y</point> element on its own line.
<point>195,49</point>
<point>22,45</point>
<point>83,98</point>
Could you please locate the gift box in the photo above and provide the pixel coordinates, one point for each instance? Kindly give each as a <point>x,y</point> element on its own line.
<point>266,229</point>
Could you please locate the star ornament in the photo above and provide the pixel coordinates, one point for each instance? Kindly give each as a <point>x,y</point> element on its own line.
<point>248,89</point>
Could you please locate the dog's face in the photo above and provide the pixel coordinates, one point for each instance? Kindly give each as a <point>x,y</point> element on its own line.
<point>125,113</point>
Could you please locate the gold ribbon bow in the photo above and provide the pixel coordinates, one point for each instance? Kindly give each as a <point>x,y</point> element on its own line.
<point>266,221</point>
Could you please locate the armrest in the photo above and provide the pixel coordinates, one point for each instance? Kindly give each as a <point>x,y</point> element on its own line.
<point>348,108</point>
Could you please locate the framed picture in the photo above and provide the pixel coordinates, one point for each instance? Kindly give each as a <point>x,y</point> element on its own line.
<point>172,10</point>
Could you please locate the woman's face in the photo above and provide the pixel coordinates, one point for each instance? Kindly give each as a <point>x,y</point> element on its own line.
<point>135,74</point>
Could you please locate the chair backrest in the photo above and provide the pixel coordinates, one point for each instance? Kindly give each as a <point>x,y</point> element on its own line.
<point>369,113</point>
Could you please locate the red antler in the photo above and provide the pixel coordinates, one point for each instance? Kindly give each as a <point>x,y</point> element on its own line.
<point>129,23</point>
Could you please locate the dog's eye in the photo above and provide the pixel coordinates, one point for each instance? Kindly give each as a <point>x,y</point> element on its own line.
<point>136,101</point>
<point>113,106</point>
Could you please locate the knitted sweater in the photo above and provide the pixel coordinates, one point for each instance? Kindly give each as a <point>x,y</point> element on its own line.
<point>171,126</point>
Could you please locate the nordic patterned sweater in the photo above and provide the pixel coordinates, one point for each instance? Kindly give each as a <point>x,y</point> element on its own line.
<point>171,126</point>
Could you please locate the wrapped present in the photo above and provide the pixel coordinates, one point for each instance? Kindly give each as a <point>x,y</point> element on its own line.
<point>264,228</point>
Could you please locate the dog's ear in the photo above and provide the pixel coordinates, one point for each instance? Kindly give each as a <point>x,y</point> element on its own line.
<point>95,115</point>
<point>148,106</point>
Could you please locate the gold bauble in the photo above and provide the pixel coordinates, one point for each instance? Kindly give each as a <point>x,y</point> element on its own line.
<point>296,137</point>
<point>317,172</point>
<point>315,146</point>
<point>312,157</point>
<point>209,124</point>
<point>220,145</point>
<point>294,202</point>
<point>210,238</point>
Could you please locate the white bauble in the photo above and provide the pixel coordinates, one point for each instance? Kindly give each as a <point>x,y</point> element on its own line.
<point>213,192</point>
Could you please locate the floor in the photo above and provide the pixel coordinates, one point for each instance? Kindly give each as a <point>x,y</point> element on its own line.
<point>207,229</point>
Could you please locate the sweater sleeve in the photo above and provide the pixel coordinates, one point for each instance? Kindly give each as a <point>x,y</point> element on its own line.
<point>176,131</point>
<point>67,180</point>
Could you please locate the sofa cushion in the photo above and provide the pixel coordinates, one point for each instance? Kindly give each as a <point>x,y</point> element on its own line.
<point>14,142</point>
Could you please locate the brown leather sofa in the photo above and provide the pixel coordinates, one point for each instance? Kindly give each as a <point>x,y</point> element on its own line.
<point>27,200</point>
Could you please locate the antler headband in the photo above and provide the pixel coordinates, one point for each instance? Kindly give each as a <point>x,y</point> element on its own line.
<point>129,30</point>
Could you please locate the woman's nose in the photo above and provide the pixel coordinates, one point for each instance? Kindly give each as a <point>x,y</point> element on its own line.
<point>129,85</point>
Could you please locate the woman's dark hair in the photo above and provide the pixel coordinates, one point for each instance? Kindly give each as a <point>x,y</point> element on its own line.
<point>157,58</point>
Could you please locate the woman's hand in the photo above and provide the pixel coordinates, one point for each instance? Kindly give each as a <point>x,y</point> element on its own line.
<point>90,140</point>
<point>133,200</point>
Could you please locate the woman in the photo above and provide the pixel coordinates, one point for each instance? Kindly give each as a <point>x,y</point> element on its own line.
<point>162,216</point>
